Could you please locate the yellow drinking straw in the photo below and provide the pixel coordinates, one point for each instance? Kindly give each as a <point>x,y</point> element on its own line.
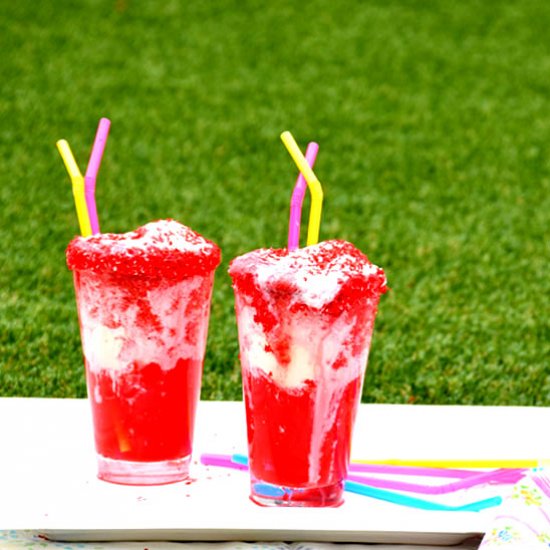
<point>459,463</point>
<point>78,187</point>
<point>313,184</point>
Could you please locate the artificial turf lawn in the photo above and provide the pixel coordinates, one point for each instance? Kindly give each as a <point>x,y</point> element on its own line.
<point>434,125</point>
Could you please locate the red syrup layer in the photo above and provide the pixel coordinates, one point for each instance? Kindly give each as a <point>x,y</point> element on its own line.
<point>141,411</point>
<point>141,425</point>
<point>280,425</point>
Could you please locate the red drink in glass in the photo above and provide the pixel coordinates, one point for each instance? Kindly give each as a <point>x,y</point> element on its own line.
<point>143,302</point>
<point>305,320</point>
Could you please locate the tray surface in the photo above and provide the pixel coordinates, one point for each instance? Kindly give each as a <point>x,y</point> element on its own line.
<point>48,483</point>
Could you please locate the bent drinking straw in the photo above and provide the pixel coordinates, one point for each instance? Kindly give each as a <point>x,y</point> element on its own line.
<point>313,184</point>
<point>224,461</point>
<point>240,462</point>
<point>93,168</point>
<point>495,477</point>
<point>78,187</point>
<point>298,198</point>
<point>413,502</point>
<point>381,468</point>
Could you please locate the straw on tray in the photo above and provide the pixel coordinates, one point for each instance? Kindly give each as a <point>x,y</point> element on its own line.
<point>240,462</point>
<point>500,476</point>
<point>512,463</point>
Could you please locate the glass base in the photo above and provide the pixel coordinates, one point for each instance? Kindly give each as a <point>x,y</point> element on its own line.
<point>126,472</point>
<point>267,494</point>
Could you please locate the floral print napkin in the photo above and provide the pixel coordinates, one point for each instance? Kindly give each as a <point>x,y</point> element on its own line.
<point>523,519</point>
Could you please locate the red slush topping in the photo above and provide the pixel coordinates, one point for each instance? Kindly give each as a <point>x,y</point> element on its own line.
<point>356,286</point>
<point>279,445</point>
<point>164,248</point>
<point>141,426</point>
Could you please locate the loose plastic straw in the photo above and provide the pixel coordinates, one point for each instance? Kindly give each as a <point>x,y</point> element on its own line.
<point>390,469</point>
<point>298,198</point>
<point>501,476</point>
<point>239,462</point>
<point>93,168</point>
<point>78,187</point>
<point>411,470</point>
<point>313,184</point>
<point>223,461</point>
<point>460,463</point>
<point>498,477</point>
<point>413,502</point>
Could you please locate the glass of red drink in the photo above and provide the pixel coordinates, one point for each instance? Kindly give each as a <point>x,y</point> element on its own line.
<point>143,301</point>
<point>305,320</point>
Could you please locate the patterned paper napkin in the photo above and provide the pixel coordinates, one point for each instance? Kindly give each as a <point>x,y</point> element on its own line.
<point>523,519</point>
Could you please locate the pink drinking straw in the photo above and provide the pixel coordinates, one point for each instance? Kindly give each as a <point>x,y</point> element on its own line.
<point>494,477</point>
<point>497,477</point>
<point>93,168</point>
<point>224,461</point>
<point>298,198</point>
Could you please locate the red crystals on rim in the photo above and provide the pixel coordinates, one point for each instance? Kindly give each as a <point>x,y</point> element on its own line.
<point>164,248</point>
<point>358,279</point>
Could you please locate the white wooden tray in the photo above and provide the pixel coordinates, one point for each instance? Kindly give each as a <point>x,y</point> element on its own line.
<point>48,483</point>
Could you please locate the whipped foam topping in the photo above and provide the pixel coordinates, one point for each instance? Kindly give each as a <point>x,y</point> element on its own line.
<point>115,335</point>
<point>313,349</point>
<point>316,273</point>
<point>163,247</point>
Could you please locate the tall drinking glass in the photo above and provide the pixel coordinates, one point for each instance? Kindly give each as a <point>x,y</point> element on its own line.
<point>143,301</point>
<point>305,320</point>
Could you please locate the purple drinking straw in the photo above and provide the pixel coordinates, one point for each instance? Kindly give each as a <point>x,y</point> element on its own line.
<point>93,168</point>
<point>411,470</point>
<point>223,461</point>
<point>495,477</point>
<point>298,198</point>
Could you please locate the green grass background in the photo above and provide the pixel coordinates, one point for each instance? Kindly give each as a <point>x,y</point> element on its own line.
<point>433,119</point>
